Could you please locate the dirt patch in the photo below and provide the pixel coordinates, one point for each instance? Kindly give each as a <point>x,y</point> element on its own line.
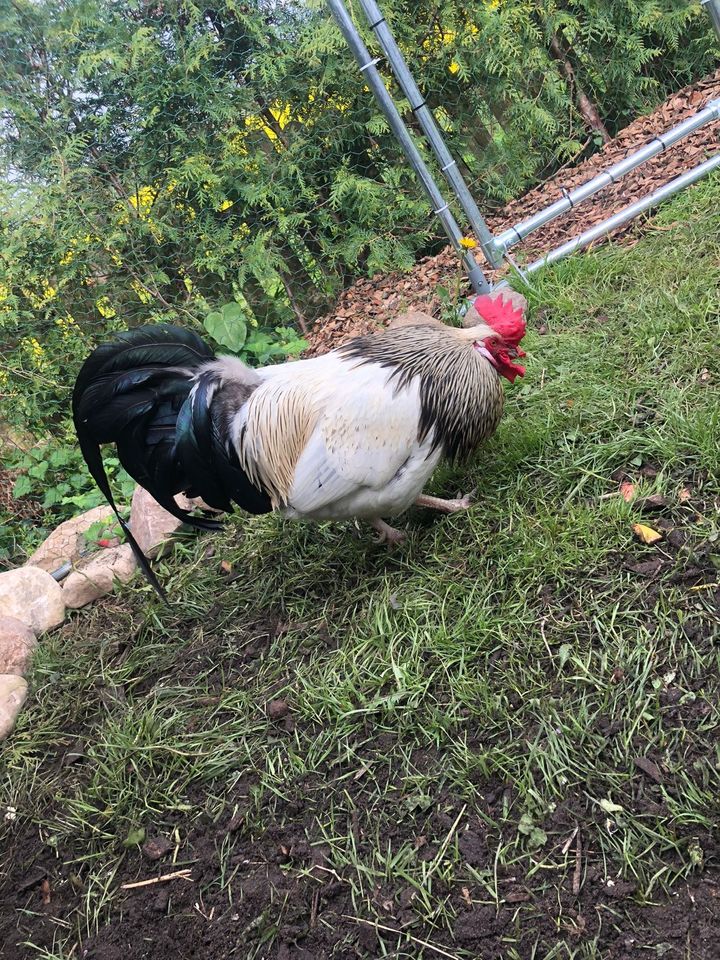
<point>371,303</point>
<point>283,897</point>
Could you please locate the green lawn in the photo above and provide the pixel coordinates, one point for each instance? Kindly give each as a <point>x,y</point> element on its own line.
<point>502,738</point>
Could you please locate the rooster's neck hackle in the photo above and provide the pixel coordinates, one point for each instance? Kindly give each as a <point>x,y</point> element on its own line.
<point>461,397</point>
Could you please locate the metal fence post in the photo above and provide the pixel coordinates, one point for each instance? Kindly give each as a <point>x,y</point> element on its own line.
<point>425,117</point>
<point>713,11</point>
<point>440,207</point>
<point>627,214</point>
<point>573,198</point>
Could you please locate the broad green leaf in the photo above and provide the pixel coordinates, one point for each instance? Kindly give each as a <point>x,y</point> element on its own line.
<point>227,327</point>
<point>22,486</point>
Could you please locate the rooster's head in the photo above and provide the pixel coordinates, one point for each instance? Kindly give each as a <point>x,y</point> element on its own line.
<point>503,311</point>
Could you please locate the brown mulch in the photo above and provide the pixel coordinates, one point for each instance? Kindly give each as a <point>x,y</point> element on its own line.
<point>370,303</point>
<point>23,509</point>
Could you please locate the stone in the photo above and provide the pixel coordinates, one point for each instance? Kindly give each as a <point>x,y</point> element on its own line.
<point>97,577</point>
<point>277,709</point>
<point>17,645</point>
<point>67,541</point>
<point>152,525</point>
<point>13,691</point>
<point>30,595</point>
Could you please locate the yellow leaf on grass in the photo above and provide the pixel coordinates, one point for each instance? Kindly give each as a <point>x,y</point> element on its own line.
<point>646,534</point>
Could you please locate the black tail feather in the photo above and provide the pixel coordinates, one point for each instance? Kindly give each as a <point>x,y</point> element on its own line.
<point>144,392</point>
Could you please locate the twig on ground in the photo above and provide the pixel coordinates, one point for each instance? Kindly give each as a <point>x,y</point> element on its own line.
<point>578,865</point>
<point>177,875</point>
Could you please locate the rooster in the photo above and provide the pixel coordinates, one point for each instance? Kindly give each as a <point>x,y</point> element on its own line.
<point>355,433</point>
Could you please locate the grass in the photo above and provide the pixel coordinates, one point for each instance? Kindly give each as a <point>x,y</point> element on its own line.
<point>493,681</point>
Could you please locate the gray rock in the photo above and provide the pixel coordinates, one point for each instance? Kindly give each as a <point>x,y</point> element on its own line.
<point>13,691</point>
<point>97,576</point>
<point>67,541</point>
<point>152,525</point>
<point>17,644</point>
<point>30,595</point>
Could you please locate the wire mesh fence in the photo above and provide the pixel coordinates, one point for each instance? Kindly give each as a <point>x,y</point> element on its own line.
<point>227,167</point>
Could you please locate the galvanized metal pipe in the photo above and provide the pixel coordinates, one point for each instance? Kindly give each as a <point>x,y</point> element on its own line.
<point>572,198</point>
<point>627,213</point>
<point>440,207</point>
<point>713,11</point>
<point>435,138</point>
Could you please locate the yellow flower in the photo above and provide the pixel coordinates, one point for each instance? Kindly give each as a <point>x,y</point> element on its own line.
<point>67,325</point>
<point>467,243</point>
<point>105,308</point>
<point>36,351</point>
<point>141,292</point>
<point>40,300</point>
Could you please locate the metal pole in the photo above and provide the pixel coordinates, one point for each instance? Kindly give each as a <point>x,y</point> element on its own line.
<point>713,11</point>
<point>427,121</point>
<point>440,207</point>
<point>508,238</point>
<point>627,213</point>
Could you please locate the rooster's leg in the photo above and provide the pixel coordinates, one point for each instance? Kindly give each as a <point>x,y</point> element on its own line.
<point>386,533</point>
<point>445,506</point>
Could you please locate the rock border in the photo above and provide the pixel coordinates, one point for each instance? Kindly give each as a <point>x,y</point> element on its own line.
<point>66,573</point>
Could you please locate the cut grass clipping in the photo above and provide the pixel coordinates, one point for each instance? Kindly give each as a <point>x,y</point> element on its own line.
<point>501,740</point>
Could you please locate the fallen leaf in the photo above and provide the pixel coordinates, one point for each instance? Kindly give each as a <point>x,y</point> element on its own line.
<point>226,566</point>
<point>517,895</point>
<point>627,491</point>
<point>649,768</point>
<point>653,503</point>
<point>237,821</point>
<point>646,534</point>
<point>649,568</point>
<point>684,495</point>
<point>609,807</point>
<point>157,847</point>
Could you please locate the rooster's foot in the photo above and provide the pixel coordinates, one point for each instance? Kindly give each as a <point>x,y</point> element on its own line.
<point>445,506</point>
<point>386,533</point>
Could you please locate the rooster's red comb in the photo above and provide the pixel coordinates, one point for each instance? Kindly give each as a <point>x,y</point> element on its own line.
<point>504,312</point>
